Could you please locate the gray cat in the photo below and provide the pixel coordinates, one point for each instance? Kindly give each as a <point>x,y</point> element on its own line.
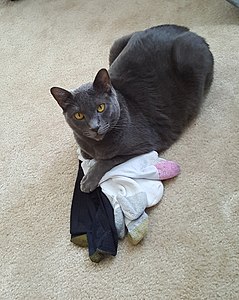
<point>155,85</point>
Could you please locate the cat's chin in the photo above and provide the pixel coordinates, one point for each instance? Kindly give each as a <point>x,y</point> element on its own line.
<point>99,137</point>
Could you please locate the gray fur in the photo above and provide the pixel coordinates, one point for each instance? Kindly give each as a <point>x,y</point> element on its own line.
<point>154,87</point>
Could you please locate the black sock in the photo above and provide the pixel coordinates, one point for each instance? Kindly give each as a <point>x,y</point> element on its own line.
<point>92,216</point>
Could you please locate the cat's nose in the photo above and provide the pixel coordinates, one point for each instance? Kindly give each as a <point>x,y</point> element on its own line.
<point>95,128</point>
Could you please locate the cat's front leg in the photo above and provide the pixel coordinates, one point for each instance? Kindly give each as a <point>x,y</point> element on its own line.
<point>91,180</point>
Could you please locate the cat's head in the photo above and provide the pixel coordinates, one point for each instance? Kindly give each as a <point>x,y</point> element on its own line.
<point>92,110</point>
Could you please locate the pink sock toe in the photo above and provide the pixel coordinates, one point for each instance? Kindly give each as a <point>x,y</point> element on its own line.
<point>167,169</point>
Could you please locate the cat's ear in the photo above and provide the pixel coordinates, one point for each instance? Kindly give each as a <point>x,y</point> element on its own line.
<point>102,81</point>
<point>63,97</point>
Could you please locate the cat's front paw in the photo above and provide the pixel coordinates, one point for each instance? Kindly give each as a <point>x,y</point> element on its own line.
<point>88,183</point>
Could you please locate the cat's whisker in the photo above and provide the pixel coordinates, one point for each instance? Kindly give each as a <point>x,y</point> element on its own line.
<point>104,129</point>
<point>121,126</point>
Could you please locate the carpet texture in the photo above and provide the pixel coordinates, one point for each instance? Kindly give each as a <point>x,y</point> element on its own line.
<point>192,247</point>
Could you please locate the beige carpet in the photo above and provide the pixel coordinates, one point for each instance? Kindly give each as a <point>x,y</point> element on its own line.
<point>192,247</point>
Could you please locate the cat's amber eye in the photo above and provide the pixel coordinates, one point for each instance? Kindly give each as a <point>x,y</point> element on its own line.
<point>79,116</point>
<point>101,108</point>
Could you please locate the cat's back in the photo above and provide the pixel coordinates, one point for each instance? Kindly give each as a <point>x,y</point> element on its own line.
<point>144,50</point>
<point>162,60</point>
<point>155,38</point>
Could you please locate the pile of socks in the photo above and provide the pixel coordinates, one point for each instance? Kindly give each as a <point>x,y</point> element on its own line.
<point>117,206</point>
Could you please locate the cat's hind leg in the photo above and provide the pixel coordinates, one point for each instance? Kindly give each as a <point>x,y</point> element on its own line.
<point>117,47</point>
<point>192,58</point>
